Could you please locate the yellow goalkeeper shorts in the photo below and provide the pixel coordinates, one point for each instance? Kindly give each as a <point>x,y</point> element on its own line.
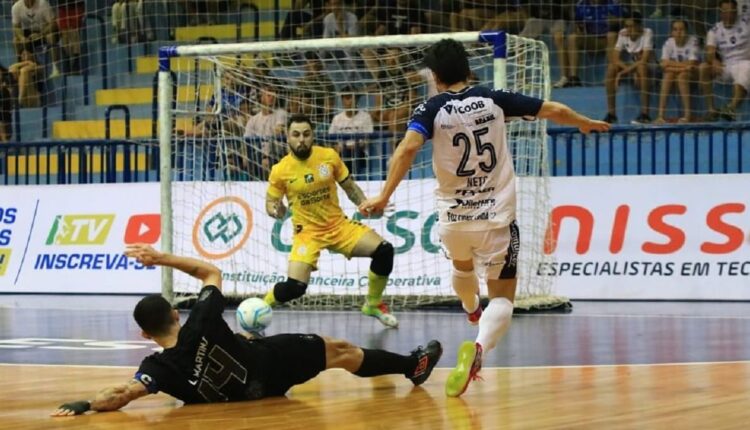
<point>306,245</point>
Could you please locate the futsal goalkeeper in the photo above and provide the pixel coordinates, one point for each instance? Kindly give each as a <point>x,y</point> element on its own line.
<point>307,176</point>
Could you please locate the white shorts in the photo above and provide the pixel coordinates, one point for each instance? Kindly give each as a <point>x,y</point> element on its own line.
<point>496,250</point>
<point>737,73</point>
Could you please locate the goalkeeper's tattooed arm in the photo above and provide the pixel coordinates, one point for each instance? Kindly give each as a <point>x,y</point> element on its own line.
<point>109,399</point>
<point>275,207</point>
<point>353,191</point>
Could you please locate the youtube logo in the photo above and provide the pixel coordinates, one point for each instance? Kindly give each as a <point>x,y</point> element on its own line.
<point>143,228</point>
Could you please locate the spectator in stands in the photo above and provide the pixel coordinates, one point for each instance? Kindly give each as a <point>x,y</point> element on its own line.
<point>509,16</point>
<point>349,121</point>
<point>730,39</point>
<point>6,106</point>
<point>340,22</point>
<point>125,20</point>
<point>130,20</point>
<point>255,76</point>
<point>69,14</point>
<point>679,62</point>
<point>395,97</point>
<point>198,11</point>
<point>268,123</point>
<point>316,90</point>
<point>304,20</point>
<point>399,17</point>
<point>27,73</point>
<point>551,18</point>
<point>596,25</point>
<point>229,120</point>
<point>34,26</point>
<point>424,76</point>
<point>636,44</point>
<point>437,14</point>
<point>392,17</point>
<point>489,15</point>
<point>300,103</point>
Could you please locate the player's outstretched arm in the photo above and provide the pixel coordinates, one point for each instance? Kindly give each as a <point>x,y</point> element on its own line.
<point>564,115</point>
<point>353,191</point>
<point>275,207</point>
<point>203,270</point>
<point>109,399</point>
<point>401,162</point>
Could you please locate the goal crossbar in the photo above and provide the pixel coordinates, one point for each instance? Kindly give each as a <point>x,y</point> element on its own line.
<point>495,38</point>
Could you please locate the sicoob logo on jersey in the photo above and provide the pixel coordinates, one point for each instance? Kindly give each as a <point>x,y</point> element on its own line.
<point>464,109</point>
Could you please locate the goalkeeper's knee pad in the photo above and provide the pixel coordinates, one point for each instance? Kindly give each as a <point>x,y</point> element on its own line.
<point>289,290</point>
<point>382,259</point>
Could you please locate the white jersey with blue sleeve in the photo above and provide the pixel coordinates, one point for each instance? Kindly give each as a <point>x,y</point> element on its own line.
<point>476,187</point>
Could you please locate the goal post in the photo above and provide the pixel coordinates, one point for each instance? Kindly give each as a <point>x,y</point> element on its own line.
<point>215,157</point>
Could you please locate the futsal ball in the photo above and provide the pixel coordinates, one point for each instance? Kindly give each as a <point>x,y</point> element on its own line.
<point>254,314</point>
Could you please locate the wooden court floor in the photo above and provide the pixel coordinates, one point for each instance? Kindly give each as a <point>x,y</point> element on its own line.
<point>606,366</point>
<point>693,396</point>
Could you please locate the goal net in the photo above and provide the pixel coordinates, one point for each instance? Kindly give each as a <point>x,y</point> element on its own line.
<point>359,92</point>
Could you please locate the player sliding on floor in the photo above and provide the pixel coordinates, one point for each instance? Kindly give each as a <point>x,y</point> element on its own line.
<point>307,176</point>
<point>476,193</point>
<point>204,362</point>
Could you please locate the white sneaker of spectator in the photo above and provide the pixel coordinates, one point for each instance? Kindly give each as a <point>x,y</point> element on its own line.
<point>55,71</point>
<point>561,82</point>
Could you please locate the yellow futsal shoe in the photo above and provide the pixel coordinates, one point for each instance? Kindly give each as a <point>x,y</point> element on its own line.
<point>469,363</point>
<point>381,313</point>
<point>270,298</point>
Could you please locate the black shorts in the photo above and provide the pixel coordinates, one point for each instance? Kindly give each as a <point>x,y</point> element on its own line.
<point>297,358</point>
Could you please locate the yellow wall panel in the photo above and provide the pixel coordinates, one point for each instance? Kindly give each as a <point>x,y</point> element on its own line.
<point>94,129</point>
<point>94,163</point>
<point>132,96</point>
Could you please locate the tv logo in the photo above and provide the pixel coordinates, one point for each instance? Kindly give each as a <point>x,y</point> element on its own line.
<point>80,229</point>
<point>143,228</point>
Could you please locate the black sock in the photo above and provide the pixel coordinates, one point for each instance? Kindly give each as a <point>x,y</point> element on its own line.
<point>378,362</point>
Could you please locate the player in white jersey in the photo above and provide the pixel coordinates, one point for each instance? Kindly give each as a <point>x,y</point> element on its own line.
<point>476,194</point>
<point>636,44</point>
<point>679,61</point>
<point>730,38</point>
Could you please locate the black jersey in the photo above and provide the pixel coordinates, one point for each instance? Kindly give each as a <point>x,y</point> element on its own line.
<point>209,363</point>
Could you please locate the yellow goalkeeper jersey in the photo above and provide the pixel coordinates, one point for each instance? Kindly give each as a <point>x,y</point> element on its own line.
<point>310,188</point>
